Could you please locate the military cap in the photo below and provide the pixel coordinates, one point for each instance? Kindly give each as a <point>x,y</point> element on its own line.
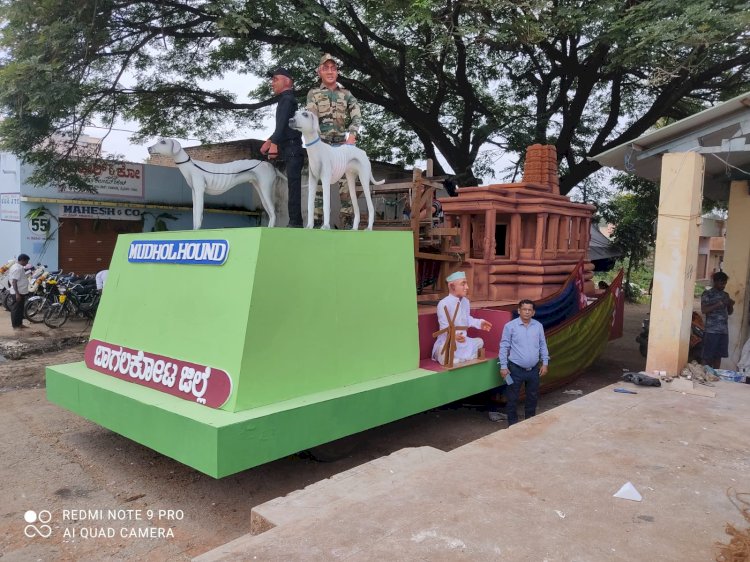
<point>328,57</point>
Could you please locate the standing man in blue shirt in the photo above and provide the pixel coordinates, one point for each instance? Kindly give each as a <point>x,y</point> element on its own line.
<point>522,348</point>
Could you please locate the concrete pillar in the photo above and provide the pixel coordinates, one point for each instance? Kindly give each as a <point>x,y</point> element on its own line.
<point>737,267</point>
<point>678,231</point>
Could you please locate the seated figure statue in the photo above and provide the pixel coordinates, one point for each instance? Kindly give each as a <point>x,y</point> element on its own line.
<point>454,315</point>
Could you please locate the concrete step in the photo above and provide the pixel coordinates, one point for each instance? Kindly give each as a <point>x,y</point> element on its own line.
<point>357,483</point>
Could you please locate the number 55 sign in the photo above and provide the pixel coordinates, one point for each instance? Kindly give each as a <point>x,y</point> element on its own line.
<point>40,224</point>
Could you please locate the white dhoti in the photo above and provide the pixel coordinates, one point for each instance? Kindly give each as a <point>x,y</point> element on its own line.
<point>467,350</point>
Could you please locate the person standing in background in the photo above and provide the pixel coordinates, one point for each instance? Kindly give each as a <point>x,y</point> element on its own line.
<point>716,306</point>
<point>19,286</point>
<point>101,279</point>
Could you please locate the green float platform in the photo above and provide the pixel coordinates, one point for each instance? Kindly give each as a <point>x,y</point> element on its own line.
<point>317,330</point>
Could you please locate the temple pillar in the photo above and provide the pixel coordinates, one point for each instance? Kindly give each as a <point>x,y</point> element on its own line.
<point>466,234</point>
<point>553,232</point>
<point>585,234</point>
<point>575,233</point>
<point>563,239</point>
<point>677,235</point>
<point>490,217</point>
<point>514,243</point>
<point>541,233</point>
<point>737,267</point>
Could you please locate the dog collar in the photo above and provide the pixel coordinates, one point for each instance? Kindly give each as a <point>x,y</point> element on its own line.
<point>313,142</point>
<point>183,162</point>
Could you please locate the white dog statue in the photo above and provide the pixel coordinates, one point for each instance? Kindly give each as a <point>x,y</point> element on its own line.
<point>328,164</point>
<point>215,179</point>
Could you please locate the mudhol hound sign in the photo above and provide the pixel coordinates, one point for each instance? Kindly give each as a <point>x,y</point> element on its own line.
<point>190,252</point>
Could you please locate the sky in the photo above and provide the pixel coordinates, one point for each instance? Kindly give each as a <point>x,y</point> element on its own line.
<point>117,141</point>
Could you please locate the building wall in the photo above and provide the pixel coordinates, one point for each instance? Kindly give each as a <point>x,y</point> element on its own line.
<point>219,153</point>
<point>10,207</point>
<point>711,227</point>
<point>710,247</point>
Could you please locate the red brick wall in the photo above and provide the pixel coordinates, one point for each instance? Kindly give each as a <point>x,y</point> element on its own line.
<point>218,153</point>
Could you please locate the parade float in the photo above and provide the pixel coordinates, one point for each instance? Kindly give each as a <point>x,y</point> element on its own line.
<point>226,349</point>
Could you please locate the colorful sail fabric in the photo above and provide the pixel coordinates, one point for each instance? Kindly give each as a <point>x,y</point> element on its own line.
<point>553,312</point>
<point>563,304</point>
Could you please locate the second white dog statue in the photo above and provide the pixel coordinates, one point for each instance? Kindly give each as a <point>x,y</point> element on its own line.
<point>215,179</point>
<point>328,164</point>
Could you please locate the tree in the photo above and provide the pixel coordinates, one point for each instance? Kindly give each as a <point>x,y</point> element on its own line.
<point>436,75</point>
<point>633,213</point>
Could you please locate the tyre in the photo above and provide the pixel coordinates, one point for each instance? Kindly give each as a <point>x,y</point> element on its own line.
<point>8,301</point>
<point>56,315</point>
<point>35,308</point>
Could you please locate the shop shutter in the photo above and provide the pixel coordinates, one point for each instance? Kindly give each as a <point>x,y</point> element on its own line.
<point>86,245</point>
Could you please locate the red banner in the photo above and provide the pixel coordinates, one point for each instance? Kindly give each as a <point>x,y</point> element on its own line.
<point>189,381</point>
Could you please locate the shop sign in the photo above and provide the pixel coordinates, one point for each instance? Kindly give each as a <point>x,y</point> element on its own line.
<point>190,252</point>
<point>10,207</point>
<point>100,212</point>
<point>116,180</point>
<point>189,381</point>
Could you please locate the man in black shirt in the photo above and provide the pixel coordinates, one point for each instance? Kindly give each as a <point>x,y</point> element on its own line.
<point>287,141</point>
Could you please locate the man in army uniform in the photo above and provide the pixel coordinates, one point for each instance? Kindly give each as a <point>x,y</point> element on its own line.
<point>334,105</point>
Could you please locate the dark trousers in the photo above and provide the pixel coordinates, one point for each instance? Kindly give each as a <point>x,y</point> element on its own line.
<point>294,157</point>
<point>16,313</point>
<point>531,380</point>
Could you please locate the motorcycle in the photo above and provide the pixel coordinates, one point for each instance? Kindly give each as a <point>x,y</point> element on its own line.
<point>80,298</point>
<point>46,294</point>
<point>695,351</point>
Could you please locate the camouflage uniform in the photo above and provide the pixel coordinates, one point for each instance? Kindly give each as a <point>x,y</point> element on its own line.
<point>332,107</point>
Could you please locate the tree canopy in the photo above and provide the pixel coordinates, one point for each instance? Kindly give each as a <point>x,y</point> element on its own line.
<point>633,212</point>
<point>451,76</point>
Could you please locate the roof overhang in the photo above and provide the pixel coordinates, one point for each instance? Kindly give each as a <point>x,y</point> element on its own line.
<point>720,133</point>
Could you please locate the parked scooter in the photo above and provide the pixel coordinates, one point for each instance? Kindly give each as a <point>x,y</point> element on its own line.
<point>695,351</point>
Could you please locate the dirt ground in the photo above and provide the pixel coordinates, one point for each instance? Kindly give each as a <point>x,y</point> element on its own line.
<point>53,460</point>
